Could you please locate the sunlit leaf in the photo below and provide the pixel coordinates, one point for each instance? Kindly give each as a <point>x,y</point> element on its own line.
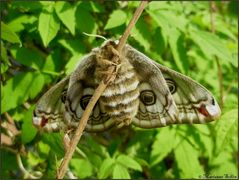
<point>128,162</point>
<point>176,42</point>
<point>167,19</point>
<point>43,148</point>
<point>8,35</point>
<point>211,44</point>
<point>55,141</point>
<point>82,167</point>
<point>142,34</point>
<point>4,63</point>
<point>48,25</point>
<point>120,172</point>
<point>106,168</point>
<point>74,46</point>
<point>20,22</point>
<point>162,145</point>
<point>28,130</point>
<point>117,18</point>
<point>97,7</point>
<point>72,63</point>
<point>224,163</point>
<point>66,13</point>
<point>22,86</point>
<point>84,21</point>
<point>225,129</point>
<point>187,161</point>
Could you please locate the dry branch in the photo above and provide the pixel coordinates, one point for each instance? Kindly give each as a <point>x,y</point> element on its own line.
<point>103,84</point>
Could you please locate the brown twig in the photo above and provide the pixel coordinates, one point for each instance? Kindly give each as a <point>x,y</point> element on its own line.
<point>219,68</point>
<point>10,125</point>
<point>103,84</point>
<point>6,140</point>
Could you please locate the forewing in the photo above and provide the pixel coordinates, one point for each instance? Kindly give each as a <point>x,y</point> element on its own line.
<point>48,114</point>
<point>157,107</point>
<point>81,87</point>
<point>194,103</point>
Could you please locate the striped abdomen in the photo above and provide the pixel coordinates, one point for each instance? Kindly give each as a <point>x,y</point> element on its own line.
<point>120,98</point>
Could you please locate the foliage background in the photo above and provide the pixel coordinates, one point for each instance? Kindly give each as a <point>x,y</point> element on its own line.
<point>41,42</point>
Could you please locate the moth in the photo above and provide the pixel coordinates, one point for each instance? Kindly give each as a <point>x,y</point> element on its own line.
<point>143,93</point>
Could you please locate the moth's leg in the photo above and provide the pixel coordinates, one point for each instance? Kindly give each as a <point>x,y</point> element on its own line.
<point>106,62</point>
<point>125,122</point>
<point>114,51</point>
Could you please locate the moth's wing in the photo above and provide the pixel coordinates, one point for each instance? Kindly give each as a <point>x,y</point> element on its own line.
<point>48,113</point>
<point>157,107</point>
<point>81,87</point>
<point>195,104</point>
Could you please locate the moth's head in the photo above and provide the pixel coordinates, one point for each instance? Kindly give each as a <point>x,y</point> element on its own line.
<point>110,42</point>
<point>107,51</point>
<point>210,109</point>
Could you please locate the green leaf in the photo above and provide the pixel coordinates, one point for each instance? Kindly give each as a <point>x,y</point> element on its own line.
<point>225,129</point>
<point>120,172</point>
<point>55,141</point>
<point>206,141</point>
<point>39,81</point>
<point>74,46</point>
<point>26,6</point>
<point>163,145</point>
<point>4,63</point>
<point>128,162</point>
<point>51,165</point>
<point>66,13</point>
<point>52,63</point>
<point>97,7</point>
<point>226,31</point>
<point>117,18</point>
<point>72,63</point>
<point>224,163</point>
<point>4,53</point>
<point>28,57</point>
<point>187,161</point>
<point>18,24</point>
<point>167,19</point>
<point>159,42</point>
<point>106,168</point>
<point>48,25</point>
<point>8,35</point>
<point>84,21</point>
<point>82,167</point>
<point>211,45</point>
<point>22,86</point>
<point>10,163</point>
<point>154,5</point>
<point>28,130</point>
<point>33,159</point>
<point>43,148</point>
<point>176,43</point>
<point>141,34</point>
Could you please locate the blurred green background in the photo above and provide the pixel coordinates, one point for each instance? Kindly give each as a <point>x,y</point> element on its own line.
<point>41,42</point>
